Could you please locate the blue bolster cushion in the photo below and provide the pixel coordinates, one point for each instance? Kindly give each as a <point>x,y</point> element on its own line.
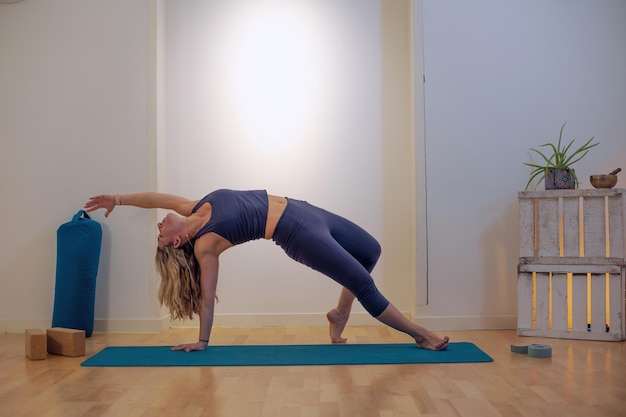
<point>78,255</point>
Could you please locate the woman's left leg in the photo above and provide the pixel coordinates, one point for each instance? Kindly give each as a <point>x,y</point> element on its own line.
<point>423,337</point>
<point>338,316</point>
<point>335,246</point>
<point>366,250</point>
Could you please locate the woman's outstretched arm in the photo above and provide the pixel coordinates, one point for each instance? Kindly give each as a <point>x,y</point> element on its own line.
<point>181,205</point>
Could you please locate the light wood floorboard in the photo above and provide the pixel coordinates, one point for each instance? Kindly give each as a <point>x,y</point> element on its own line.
<point>583,378</point>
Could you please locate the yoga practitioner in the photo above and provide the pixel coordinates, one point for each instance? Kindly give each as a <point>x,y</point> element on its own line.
<point>189,247</point>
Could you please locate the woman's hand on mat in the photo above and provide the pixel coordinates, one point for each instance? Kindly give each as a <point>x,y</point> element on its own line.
<point>188,347</point>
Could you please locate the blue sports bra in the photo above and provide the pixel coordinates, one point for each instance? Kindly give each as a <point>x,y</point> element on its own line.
<point>237,216</point>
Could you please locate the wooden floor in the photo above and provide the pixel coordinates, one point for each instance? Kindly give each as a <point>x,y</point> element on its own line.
<point>582,378</point>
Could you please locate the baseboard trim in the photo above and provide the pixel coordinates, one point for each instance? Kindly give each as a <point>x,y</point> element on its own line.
<point>358,319</point>
<point>8,326</point>
<point>277,320</point>
<point>467,322</point>
<point>159,325</point>
<point>132,325</point>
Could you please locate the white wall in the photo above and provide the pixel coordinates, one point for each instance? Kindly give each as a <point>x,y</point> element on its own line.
<point>78,117</point>
<point>73,123</point>
<point>502,77</point>
<point>95,88</point>
<point>287,97</point>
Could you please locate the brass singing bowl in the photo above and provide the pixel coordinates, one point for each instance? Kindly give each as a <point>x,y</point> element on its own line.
<point>603,181</point>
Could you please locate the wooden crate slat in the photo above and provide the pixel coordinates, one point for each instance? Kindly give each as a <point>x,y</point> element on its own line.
<point>548,227</point>
<point>561,261</point>
<point>598,303</point>
<point>595,226</point>
<point>608,337</point>
<point>542,300</point>
<point>574,268</point>
<point>559,302</point>
<point>570,193</point>
<point>579,303</point>
<point>527,228</point>
<point>617,208</point>
<point>571,227</point>
<point>616,303</point>
<point>525,300</point>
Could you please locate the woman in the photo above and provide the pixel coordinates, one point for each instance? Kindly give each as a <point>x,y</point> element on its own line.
<point>189,247</point>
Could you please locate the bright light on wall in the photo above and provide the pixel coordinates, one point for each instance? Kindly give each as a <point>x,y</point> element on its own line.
<point>272,63</point>
<point>256,89</point>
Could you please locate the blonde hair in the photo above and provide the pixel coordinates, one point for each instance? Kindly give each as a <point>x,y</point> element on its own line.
<point>179,290</point>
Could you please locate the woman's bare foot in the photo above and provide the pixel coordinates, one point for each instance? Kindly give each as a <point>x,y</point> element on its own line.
<point>423,337</point>
<point>337,322</point>
<point>432,342</point>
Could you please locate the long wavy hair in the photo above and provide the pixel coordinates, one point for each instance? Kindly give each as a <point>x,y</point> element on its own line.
<point>179,290</point>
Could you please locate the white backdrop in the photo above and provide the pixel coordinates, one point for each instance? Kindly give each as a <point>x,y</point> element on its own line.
<point>74,118</point>
<point>78,117</point>
<point>284,97</point>
<point>502,77</point>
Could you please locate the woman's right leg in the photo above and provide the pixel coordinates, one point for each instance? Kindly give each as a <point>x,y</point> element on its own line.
<point>335,247</point>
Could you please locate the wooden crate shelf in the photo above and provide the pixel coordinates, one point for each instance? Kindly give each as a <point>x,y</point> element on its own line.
<point>571,272</point>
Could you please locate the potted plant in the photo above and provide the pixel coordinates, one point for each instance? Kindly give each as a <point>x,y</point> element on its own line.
<point>556,169</point>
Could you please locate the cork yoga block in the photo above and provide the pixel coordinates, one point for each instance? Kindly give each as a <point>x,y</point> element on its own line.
<point>36,344</point>
<point>66,342</point>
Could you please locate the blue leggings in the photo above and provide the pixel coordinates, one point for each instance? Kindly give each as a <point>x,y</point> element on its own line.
<point>334,246</point>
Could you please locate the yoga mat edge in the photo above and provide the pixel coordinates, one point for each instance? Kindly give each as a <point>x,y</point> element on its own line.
<point>286,355</point>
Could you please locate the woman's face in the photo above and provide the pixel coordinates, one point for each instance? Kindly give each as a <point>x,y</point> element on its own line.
<point>168,230</point>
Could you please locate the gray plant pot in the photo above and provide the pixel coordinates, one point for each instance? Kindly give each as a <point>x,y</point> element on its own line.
<point>560,179</point>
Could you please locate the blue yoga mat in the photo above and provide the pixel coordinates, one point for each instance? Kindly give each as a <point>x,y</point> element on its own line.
<point>282,355</point>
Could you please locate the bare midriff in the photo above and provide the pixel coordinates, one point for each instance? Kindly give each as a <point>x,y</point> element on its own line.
<point>275,209</point>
